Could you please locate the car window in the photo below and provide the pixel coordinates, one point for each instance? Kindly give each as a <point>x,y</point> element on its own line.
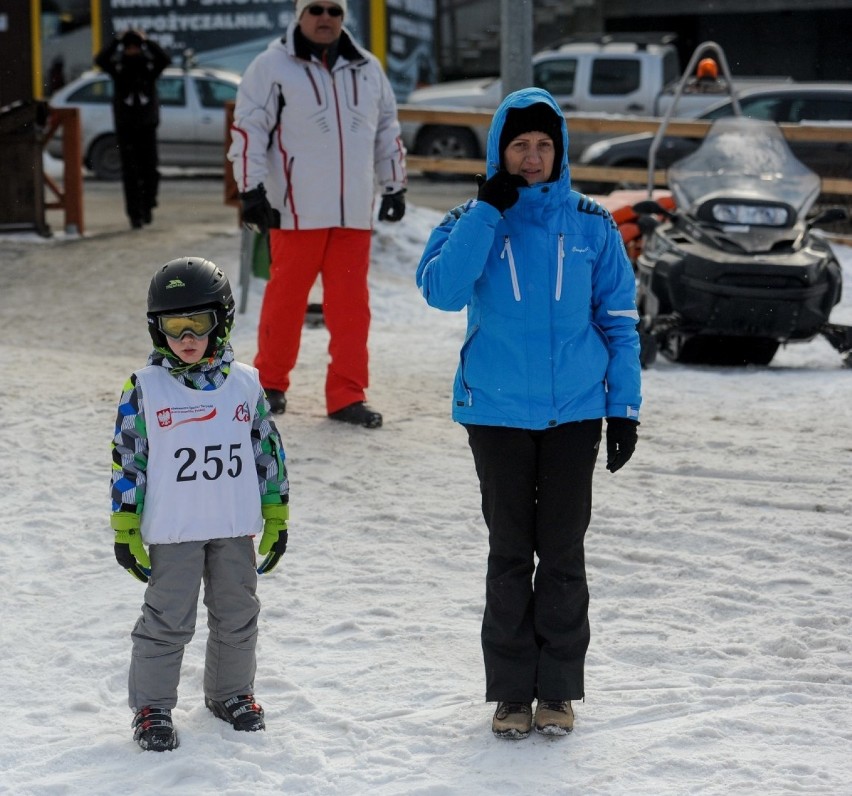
<point>615,76</point>
<point>767,108</point>
<point>214,93</point>
<point>718,113</point>
<point>820,109</point>
<point>171,91</point>
<point>97,91</point>
<point>773,109</point>
<point>556,76</point>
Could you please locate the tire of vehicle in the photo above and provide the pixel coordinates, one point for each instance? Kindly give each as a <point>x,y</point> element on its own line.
<point>447,142</point>
<point>104,159</point>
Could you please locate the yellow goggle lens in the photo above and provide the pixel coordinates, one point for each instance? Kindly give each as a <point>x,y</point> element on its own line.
<point>198,324</point>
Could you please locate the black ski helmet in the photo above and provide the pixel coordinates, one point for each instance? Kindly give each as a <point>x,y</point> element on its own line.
<point>191,283</point>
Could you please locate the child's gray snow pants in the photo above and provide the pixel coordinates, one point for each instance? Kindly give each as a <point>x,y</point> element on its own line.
<point>167,624</point>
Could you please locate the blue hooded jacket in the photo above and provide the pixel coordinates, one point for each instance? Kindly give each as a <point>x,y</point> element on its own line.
<point>550,296</point>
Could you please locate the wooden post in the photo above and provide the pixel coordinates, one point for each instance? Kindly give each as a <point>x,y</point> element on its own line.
<point>70,196</point>
<point>72,158</point>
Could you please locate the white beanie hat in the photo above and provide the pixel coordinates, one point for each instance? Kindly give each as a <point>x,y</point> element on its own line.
<point>301,5</point>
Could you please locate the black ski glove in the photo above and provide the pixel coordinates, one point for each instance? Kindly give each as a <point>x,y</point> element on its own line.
<point>257,213</point>
<point>501,191</point>
<point>620,441</point>
<point>393,206</point>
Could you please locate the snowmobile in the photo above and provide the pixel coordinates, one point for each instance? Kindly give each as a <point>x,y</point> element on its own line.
<point>735,270</point>
<point>728,267</point>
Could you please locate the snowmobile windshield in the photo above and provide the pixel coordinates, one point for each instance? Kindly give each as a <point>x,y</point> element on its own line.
<point>746,160</point>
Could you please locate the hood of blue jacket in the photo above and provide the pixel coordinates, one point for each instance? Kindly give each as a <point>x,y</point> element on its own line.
<point>522,99</point>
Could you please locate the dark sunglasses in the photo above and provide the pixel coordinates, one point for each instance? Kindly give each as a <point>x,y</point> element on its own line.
<point>332,11</point>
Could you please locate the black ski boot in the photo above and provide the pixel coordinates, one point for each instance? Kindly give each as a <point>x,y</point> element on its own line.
<point>314,317</point>
<point>241,711</point>
<point>277,401</point>
<point>153,730</point>
<point>359,414</point>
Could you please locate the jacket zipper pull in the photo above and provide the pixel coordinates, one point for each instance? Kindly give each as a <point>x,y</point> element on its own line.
<point>560,257</point>
<point>507,250</point>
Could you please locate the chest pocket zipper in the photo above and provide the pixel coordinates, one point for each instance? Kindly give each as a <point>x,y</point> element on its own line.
<point>559,262</point>
<point>507,250</point>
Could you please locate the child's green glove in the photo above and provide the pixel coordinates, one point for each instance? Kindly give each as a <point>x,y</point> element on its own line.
<point>273,543</point>
<point>129,550</point>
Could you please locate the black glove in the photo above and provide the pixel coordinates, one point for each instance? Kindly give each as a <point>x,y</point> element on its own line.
<point>620,441</point>
<point>501,191</point>
<point>393,206</point>
<point>257,213</point>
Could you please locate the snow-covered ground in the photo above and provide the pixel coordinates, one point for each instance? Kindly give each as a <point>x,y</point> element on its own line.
<point>719,560</point>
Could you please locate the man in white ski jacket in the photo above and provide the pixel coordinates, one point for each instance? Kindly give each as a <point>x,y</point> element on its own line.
<point>315,135</point>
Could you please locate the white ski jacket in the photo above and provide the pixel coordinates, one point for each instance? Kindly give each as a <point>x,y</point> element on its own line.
<point>321,141</point>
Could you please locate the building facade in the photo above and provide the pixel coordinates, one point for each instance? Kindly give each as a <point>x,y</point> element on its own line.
<point>758,36</point>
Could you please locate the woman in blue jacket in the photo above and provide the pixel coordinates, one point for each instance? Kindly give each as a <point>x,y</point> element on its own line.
<point>551,348</point>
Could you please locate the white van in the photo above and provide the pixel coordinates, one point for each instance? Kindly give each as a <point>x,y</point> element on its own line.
<point>597,76</point>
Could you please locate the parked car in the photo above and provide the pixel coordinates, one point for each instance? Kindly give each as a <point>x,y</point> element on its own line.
<point>192,119</point>
<point>798,103</point>
<point>605,74</point>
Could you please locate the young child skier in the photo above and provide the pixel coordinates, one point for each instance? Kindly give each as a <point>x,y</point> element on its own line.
<point>198,469</point>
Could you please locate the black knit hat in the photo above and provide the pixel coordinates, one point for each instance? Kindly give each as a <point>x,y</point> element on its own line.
<point>538,117</point>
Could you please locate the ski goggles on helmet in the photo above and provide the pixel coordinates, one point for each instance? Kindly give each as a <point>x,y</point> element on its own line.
<point>198,324</point>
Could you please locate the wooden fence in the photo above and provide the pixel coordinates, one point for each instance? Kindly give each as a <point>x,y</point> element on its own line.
<point>610,126</point>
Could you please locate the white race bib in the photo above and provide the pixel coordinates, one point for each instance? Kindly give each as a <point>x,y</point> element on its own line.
<point>202,482</point>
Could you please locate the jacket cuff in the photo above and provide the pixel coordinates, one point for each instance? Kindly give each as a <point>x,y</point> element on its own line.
<point>125,521</point>
<point>275,511</point>
<point>623,410</point>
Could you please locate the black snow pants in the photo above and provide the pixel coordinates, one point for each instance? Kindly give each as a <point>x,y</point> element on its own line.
<point>140,175</point>
<point>536,499</point>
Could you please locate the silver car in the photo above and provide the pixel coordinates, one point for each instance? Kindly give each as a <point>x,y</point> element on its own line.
<point>192,119</point>
<point>822,103</point>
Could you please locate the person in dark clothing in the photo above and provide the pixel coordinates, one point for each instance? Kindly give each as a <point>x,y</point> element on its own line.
<point>56,75</point>
<point>135,62</point>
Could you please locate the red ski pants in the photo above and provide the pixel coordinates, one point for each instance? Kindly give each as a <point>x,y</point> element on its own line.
<point>342,258</point>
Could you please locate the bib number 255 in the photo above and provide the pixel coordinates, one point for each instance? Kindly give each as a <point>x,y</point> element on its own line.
<point>212,466</point>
